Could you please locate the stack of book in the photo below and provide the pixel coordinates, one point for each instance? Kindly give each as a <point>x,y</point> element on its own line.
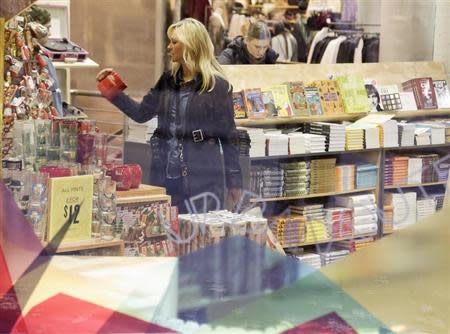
<point>436,131</point>
<point>315,221</point>
<point>345,178</point>
<point>366,176</point>
<point>388,219</point>
<point>400,168</point>
<point>389,133</point>
<point>425,207</point>
<point>406,134</point>
<point>438,200</point>
<point>429,173</point>
<point>354,138</point>
<point>244,142</point>
<point>323,176</point>
<point>414,171</point>
<point>311,259</point>
<point>334,134</point>
<point>333,256</point>
<point>257,142</point>
<point>314,143</point>
<point>364,212</point>
<point>289,231</point>
<point>296,143</point>
<point>404,205</point>
<point>355,244</point>
<point>266,181</point>
<point>339,222</point>
<point>277,143</point>
<point>443,170</point>
<point>388,171</point>
<point>296,178</point>
<point>422,136</point>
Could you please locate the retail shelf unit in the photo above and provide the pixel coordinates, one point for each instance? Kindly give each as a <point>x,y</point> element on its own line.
<point>253,76</point>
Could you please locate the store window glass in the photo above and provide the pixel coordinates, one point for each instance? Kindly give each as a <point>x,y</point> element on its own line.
<point>257,166</point>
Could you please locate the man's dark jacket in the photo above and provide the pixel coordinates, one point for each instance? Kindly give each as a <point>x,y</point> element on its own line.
<point>212,113</point>
<point>236,53</point>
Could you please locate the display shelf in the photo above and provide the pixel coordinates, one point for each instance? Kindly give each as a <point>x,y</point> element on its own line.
<point>273,199</point>
<point>89,244</point>
<point>87,63</point>
<point>317,154</point>
<point>329,240</point>
<point>415,185</point>
<point>416,147</point>
<point>297,119</point>
<point>287,7</point>
<point>420,113</point>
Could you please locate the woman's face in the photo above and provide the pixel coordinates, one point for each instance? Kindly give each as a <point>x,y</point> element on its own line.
<point>175,49</point>
<point>373,98</point>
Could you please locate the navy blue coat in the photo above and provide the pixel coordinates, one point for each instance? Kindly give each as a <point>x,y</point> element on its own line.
<point>212,113</point>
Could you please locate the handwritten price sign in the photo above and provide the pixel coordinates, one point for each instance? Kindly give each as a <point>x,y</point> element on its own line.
<point>71,203</point>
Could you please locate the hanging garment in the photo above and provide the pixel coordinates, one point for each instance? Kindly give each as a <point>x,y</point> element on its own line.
<point>357,59</point>
<point>349,10</point>
<point>331,52</point>
<point>320,49</point>
<point>299,33</point>
<point>347,48</point>
<point>317,38</point>
<point>286,46</point>
<point>198,9</point>
<point>371,50</point>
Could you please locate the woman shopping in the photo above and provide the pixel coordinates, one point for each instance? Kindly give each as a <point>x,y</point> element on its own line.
<point>194,107</point>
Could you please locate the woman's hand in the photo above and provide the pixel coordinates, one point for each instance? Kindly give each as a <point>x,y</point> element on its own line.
<point>104,73</point>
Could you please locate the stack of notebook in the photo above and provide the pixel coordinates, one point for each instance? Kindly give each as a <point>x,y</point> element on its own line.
<point>311,259</point>
<point>414,171</point>
<point>314,143</point>
<point>429,173</point>
<point>334,134</point>
<point>323,176</point>
<point>296,178</point>
<point>345,178</point>
<point>366,176</point>
<point>388,219</point>
<point>400,168</point>
<point>364,212</point>
<point>333,256</point>
<point>339,222</point>
<point>354,138</point>
<point>315,221</point>
<point>244,142</point>
<point>355,244</point>
<point>257,142</point>
<point>296,143</point>
<point>388,171</point>
<point>289,231</point>
<point>277,143</point>
<point>267,181</point>
<point>404,205</point>
<point>425,207</point>
<point>406,134</point>
<point>442,171</point>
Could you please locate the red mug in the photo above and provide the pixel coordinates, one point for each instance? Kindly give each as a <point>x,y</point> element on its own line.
<point>56,171</point>
<point>136,175</point>
<point>111,85</point>
<point>123,177</point>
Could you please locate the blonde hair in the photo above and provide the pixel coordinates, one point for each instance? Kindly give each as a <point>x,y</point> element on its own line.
<point>198,53</point>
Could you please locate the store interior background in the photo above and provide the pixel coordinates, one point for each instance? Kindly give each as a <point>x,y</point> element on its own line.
<point>130,37</point>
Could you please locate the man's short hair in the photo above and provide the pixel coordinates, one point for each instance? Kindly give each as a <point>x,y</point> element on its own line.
<point>258,30</point>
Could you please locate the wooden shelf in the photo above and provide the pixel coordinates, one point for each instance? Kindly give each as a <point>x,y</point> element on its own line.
<point>329,240</point>
<point>87,63</point>
<point>89,244</point>
<point>273,199</point>
<point>297,119</point>
<point>317,154</point>
<point>420,113</point>
<point>415,185</point>
<point>416,147</point>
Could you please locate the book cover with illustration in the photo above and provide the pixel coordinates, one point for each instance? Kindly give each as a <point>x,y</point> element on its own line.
<point>390,97</point>
<point>298,98</point>
<point>442,93</point>
<point>70,206</point>
<point>313,100</point>
<point>424,92</point>
<point>254,103</point>
<point>239,105</point>
<point>281,98</point>
<point>330,96</point>
<point>353,92</point>
<point>269,103</point>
